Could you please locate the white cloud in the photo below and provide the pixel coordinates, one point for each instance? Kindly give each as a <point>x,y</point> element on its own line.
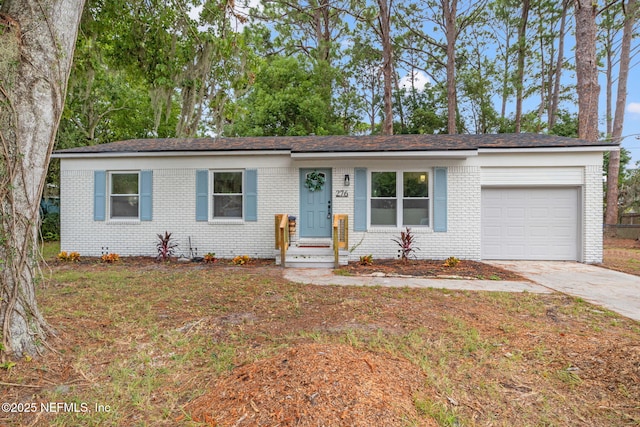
<point>633,107</point>
<point>420,81</point>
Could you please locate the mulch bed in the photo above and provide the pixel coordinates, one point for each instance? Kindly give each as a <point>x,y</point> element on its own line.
<point>432,269</point>
<point>314,385</point>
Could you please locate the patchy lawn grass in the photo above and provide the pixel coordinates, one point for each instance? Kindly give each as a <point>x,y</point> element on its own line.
<point>622,255</point>
<point>169,344</point>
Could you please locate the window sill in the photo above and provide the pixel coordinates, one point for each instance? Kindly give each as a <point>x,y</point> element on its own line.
<point>395,229</point>
<point>121,221</point>
<point>230,221</point>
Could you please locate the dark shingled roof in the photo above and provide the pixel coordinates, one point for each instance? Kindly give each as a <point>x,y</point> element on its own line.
<point>337,144</point>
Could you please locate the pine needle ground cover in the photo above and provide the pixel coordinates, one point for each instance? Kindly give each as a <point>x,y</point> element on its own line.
<point>188,344</point>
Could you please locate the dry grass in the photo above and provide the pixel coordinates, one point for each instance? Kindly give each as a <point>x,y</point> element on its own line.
<point>147,342</point>
<point>622,255</point>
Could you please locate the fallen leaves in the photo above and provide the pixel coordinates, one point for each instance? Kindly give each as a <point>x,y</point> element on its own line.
<point>312,385</point>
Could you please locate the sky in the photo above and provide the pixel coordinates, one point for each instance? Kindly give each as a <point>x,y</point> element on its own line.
<point>631,129</point>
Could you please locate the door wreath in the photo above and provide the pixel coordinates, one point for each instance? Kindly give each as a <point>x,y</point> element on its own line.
<point>315,181</point>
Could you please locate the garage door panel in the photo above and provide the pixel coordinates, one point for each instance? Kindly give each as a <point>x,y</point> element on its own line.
<point>530,223</point>
<point>540,213</point>
<point>537,232</point>
<point>515,232</point>
<point>516,212</point>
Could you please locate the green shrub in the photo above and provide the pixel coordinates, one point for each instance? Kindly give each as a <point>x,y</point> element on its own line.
<point>50,227</point>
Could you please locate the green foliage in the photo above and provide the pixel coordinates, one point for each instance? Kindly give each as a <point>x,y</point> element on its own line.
<point>625,173</point>
<point>566,124</point>
<point>7,365</point>
<point>629,196</point>
<point>425,110</point>
<point>50,227</point>
<point>286,99</point>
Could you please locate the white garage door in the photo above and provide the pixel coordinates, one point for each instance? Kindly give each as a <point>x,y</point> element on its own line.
<point>530,223</point>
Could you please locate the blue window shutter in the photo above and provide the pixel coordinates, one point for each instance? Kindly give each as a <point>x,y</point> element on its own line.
<point>99,195</point>
<point>250,195</point>
<point>202,195</point>
<point>360,197</point>
<point>146,195</point>
<point>440,199</point>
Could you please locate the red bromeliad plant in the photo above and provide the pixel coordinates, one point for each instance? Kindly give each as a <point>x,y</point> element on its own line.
<point>406,242</point>
<point>166,246</point>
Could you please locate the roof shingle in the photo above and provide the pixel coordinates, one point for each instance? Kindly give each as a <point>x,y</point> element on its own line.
<point>337,144</point>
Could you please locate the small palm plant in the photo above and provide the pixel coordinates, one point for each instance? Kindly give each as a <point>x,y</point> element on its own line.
<point>166,247</point>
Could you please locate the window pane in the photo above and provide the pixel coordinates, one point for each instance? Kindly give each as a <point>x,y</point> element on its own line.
<point>383,184</point>
<point>415,212</point>
<point>124,183</point>
<point>124,206</point>
<point>416,184</point>
<point>227,182</point>
<point>227,206</point>
<point>383,211</point>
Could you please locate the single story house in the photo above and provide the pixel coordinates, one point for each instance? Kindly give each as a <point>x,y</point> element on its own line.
<point>478,197</point>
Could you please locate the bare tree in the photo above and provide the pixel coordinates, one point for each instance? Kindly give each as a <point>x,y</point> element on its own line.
<point>611,212</point>
<point>587,69</point>
<point>384,32</point>
<point>37,41</point>
<point>522,51</point>
<point>555,96</point>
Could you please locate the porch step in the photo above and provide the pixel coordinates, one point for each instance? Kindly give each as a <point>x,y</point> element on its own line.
<point>317,242</point>
<point>312,257</point>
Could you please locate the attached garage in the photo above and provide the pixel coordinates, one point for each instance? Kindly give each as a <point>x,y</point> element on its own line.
<point>531,223</point>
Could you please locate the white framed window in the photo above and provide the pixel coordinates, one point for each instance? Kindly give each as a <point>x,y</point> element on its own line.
<point>227,199</point>
<point>124,195</point>
<point>400,198</point>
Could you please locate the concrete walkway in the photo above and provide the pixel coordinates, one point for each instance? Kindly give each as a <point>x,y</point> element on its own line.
<point>613,290</point>
<point>323,276</point>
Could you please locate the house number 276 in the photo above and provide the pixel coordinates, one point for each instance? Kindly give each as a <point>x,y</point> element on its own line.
<point>342,193</point>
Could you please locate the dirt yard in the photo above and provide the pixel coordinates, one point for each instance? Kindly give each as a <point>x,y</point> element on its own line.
<point>143,343</point>
<point>622,255</point>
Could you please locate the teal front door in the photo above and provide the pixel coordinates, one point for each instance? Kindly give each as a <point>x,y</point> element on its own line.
<point>315,203</point>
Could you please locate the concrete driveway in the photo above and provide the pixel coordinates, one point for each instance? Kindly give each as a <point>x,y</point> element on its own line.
<point>613,290</point>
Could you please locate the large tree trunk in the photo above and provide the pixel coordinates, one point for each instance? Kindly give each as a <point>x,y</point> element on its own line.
<point>611,212</point>
<point>587,69</point>
<point>450,10</point>
<point>384,19</point>
<point>37,41</point>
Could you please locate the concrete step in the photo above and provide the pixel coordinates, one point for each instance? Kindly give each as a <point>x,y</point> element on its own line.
<point>312,257</point>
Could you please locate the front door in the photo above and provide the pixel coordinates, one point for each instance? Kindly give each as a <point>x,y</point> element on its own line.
<point>315,203</point>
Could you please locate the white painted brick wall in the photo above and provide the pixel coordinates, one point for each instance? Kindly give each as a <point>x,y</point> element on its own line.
<point>279,193</point>
<point>592,214</point>
<point>462,238</point>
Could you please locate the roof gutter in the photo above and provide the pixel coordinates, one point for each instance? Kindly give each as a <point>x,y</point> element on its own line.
<point>129,154</point>
<point>582,149</point>
<point>445,154</point>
